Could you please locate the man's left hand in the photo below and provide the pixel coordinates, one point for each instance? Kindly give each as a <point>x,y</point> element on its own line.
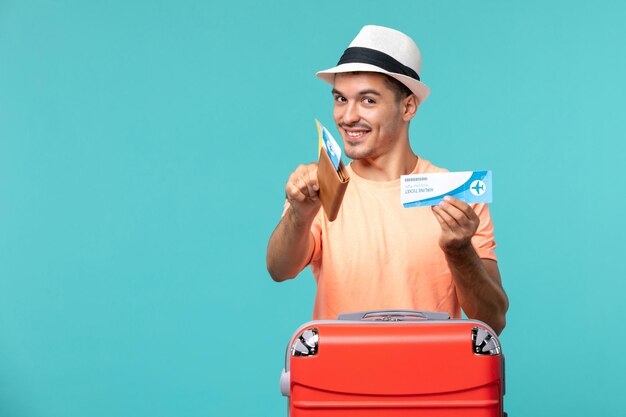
<point>458,224</point>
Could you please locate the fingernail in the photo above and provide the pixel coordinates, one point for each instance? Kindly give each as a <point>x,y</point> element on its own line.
<point>447,198</point>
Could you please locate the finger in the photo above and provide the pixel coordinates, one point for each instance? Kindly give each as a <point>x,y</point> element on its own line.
<point>462,206</point>
<point>445,220</point>
<point>442,222</point>
<point>310,179</point>
<point>462,213</point>
<point>455,217</point>
<point>304,187</point>
<point>294,193</point>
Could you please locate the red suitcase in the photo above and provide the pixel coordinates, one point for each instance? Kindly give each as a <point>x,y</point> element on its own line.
<point>394,363</point>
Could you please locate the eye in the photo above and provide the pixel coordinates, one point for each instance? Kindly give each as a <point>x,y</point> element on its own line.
<point>368,100</point>
<point>340,99</point>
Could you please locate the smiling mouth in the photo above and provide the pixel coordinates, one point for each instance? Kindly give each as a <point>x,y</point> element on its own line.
<point>355,134</point>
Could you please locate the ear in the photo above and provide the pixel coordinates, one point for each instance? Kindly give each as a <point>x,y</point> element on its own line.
<point>409,107</point>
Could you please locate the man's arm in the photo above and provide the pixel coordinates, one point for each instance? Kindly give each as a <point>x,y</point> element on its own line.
<point>478,282</point>
<point>291,245</point>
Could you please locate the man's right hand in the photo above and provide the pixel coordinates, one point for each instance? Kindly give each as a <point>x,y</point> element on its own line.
<point>302,192</point>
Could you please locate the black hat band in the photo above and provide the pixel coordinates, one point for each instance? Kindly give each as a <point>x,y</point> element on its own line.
<point>380,59</point>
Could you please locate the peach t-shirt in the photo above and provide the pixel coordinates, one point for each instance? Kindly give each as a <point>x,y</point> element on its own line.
<point>379,255</point>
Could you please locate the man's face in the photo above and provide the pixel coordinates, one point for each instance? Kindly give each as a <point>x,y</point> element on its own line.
<point>367,113</point>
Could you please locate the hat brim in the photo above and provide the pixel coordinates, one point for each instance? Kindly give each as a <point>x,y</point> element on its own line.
<point>418,88</point>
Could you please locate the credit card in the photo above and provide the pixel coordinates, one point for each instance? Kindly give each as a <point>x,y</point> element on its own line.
<point>429,189</point>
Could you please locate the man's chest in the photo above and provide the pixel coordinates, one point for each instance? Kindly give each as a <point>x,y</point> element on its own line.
<point>381,228</point>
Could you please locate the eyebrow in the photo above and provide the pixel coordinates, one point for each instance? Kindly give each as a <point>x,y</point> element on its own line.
<point>361,93</point>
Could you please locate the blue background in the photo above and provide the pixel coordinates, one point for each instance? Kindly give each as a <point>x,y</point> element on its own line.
<point>144,147</point>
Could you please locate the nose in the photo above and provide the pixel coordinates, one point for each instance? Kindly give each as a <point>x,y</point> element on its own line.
<point>350,113</point>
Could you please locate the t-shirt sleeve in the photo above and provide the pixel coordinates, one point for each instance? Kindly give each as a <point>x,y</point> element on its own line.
<point>483,241</point>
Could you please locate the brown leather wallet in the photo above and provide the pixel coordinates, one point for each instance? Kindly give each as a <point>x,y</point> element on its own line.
<point>333,184</point>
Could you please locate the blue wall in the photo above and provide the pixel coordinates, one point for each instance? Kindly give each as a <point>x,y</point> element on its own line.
<point>144,147</point>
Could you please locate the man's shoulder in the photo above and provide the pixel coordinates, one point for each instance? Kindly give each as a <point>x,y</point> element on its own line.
<point>424,165</point>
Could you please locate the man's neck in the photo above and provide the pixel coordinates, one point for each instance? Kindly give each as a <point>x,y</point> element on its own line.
<point>386,167</point>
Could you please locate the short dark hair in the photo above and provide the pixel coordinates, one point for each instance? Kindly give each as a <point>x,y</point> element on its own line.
<point>400,90</point>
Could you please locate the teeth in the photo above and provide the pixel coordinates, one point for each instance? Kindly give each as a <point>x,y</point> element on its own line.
<point>355,134</point>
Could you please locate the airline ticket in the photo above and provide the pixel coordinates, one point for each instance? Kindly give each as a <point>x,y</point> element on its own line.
<point>429,189</point>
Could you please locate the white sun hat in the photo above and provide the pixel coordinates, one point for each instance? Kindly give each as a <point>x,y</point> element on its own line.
<point>383,50</point>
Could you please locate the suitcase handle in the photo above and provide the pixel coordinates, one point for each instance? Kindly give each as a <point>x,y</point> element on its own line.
<point>394,315</point>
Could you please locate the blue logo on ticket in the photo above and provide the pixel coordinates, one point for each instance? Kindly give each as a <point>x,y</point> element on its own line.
<point>428,189</point>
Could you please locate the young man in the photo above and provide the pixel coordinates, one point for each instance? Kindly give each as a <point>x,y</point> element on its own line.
<point>377,254</point>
